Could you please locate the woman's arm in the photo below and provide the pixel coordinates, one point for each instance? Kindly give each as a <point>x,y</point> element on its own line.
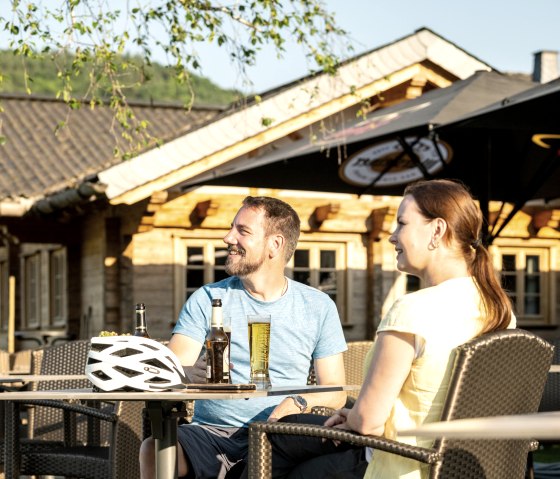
<point>390,365</point>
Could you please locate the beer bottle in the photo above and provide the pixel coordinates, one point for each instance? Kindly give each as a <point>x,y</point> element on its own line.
<point>141,329</point>
<point>217,366</point>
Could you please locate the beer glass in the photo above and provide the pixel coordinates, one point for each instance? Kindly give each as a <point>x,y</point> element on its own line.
<point>259,346</point>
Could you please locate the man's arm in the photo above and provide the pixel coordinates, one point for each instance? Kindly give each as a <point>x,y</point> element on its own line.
<point>329,370</point>
<point>186,349</point>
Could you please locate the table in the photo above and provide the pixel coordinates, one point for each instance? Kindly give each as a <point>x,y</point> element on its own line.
<point>543,425</point>
<point>161,407</point>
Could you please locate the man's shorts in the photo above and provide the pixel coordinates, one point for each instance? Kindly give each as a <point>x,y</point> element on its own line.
<point>212,451</point>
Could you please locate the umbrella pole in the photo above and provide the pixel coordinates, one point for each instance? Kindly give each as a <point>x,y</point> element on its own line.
<point>484,196</point>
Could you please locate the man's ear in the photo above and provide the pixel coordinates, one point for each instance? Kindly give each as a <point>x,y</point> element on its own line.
<point>276,243</point>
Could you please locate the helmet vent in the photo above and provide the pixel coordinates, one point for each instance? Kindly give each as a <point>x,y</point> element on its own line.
<point>100,375</point>
<point>127,372</point>
<point>99,346</point>
<point>125,352</point>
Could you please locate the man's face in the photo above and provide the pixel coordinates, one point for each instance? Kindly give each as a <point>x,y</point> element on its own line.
<point>246,242</point>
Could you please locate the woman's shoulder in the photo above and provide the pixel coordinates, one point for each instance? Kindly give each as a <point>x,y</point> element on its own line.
<point>428,305</point>
<point>444,290</point>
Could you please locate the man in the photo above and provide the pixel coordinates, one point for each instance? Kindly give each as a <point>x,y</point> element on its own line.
<point>304,326</point>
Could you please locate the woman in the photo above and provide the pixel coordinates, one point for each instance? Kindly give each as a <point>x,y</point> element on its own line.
<point>438,239</point>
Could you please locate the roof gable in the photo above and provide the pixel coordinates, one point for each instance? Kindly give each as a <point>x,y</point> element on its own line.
<point>290,108</point>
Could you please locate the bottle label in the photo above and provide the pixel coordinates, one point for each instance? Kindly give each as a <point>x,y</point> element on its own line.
<point>226,365</point>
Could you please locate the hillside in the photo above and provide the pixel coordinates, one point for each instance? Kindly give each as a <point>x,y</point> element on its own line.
<point>161,87</point>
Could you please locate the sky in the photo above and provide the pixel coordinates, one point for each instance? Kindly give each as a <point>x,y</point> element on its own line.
<point>502,33</point>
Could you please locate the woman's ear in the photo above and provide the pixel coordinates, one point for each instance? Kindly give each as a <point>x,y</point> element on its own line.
<point>440,227</point>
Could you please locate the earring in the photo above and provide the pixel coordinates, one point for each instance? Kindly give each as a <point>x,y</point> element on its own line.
<point>434,244</point>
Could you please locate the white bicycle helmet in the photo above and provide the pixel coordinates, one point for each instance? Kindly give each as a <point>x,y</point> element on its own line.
<point>132,363</point>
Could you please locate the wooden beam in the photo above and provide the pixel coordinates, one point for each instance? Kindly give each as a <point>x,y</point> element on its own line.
<point>323,213</point>
<point>202,210</point>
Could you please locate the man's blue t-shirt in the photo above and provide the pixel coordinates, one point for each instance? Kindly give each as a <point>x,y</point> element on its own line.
<point>304,325</point>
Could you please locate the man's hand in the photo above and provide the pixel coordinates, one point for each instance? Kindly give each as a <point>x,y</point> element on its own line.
<point>286,407</point>
<point>197,372</point>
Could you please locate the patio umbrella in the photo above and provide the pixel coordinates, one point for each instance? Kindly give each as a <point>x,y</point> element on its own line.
<point>510,150</point>
<point>378,154</point>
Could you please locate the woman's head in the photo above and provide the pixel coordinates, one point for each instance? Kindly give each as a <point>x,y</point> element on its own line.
<point>452,202</point>
<point>449,204</point>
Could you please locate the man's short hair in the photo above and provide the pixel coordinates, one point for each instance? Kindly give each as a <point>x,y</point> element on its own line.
<point>281,218</point>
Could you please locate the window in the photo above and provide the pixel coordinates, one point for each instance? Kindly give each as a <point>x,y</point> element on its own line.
<point>32,291</point>
<point>198,262</point>
<point>525,277</point>
<point>321,265</point>
<point>58,287</point>
<point>205,264</point>
<point>43,283</point>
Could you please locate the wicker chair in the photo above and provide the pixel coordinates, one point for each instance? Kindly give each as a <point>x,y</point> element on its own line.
<point>551,395</point>
<point>354,359</point>
<point>550,399</point>
<point>499,373</point>
<point>68,438</point>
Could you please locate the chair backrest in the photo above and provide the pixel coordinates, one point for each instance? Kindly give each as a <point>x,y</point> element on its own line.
<point>499,373</point>
<point>354,359</point>
<point>551,396</point>
<point>64,359</point>
<point>4,362</point>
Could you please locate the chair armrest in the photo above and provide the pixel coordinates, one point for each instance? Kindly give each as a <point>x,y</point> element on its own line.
<point>322,410</point>
<point>72,407</point>
<point>260,454</point>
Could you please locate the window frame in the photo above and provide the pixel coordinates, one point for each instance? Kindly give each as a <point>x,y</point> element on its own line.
<point>315,248</point>
<point>42,284</point>
<point>180,245</point>
<point>545,317</point>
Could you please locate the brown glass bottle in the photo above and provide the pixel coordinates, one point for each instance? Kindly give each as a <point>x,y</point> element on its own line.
<point>141,328</point>
<point>217,367</point>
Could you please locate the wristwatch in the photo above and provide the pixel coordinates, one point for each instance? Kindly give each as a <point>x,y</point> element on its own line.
<point>301,403</point>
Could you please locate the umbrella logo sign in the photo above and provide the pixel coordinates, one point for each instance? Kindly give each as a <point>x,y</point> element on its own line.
<point>389,163</point>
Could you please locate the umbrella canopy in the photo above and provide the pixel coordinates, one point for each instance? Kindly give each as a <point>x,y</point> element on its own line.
<point>379,154</point>
<point>510,150</point>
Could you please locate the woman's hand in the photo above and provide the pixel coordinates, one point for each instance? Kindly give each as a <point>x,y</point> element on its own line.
<point>338,420</point>
<point>339,417</point>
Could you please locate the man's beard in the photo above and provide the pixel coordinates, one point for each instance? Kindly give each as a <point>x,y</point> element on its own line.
<point>243,267</point>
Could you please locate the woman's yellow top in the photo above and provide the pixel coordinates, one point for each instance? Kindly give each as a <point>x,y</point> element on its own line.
<point>441,318</point>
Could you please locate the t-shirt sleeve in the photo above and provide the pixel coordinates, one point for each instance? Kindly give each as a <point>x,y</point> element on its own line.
<point>331,338</point>
<point>403,317</point>
<point>194,317</point>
